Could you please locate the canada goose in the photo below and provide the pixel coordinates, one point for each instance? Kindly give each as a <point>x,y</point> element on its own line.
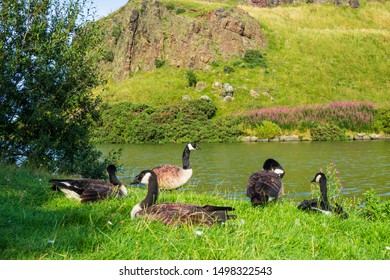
<point>322,204</point>
<point>266,184</point>
<point>173,213</point>
<point>88,190</point>
<point>172,177</point>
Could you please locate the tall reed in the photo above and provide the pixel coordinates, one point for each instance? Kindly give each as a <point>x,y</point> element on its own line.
<point>356,116</point>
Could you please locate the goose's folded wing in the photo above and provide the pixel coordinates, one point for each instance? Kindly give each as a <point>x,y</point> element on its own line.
<point>179,213</point>
<point>75,185</point>
<point>264,183</point>
<point>97,192</point>
<point>308,204</point>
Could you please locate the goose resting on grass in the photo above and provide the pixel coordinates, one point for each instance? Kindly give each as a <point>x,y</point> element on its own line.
<point>173,213</point>
<point>322,204</point>
<point>266,184</point>
<point>89,190</point>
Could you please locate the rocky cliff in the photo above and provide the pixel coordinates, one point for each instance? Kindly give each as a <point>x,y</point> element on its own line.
<point>141,34</point>
<point>272,3</point>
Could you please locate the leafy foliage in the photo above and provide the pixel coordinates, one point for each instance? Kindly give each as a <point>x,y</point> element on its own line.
<point>48,69</point>
<point>374,208</point>
<point>326,132</point>
<point>192,79</point>
<point>255,58</point>
<point>228,69</point>
<point>382,120</point>
<point>267,130</point>
<point>159,63</point>
<point>182,122</point>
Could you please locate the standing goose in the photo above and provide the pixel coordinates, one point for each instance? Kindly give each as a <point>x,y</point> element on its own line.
<point>322,204</point>
<point>266,184</point>
<point>89,190</point>
<point>172,177</point>
<point>173,213</point>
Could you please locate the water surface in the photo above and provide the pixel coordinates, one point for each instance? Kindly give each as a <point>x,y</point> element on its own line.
<point>225,168</point>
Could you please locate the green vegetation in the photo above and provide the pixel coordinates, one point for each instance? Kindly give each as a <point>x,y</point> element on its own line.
<point>326,132</point>
<point>182,122</point>
<point>37,223</point>
<point>316,55</point>
<point>267,130</point>
<point>254,58</point>
<point>191,77</point>
<point>49,66</point>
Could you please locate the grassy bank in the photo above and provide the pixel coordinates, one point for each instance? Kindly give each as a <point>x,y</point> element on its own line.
<point>37,223</point>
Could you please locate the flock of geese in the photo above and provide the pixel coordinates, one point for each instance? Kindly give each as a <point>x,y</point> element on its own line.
<point>262,187</point>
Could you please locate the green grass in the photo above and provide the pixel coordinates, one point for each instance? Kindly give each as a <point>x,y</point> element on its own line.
<point>315,54</point>
<point>37,223</point>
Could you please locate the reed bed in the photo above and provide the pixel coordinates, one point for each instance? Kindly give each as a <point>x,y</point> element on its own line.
<point>355,116</point>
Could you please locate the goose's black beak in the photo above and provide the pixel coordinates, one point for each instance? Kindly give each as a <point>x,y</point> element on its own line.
<point>136,181</point>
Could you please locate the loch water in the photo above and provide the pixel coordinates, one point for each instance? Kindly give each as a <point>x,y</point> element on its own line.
<point>224,168</point>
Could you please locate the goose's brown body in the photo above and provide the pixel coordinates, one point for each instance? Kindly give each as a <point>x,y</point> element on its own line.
<point>173,213</point>
<point>262,185</point>
<point>89,190</point>
<point>266,184</point>
<point>171,177</point>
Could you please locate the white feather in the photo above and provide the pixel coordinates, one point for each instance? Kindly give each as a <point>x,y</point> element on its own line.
<point>136,209</point>
<point>190,147</point>
<point>322,211</point>
<point>123,189</point>
<point>71,194</point>
<point>279,171</point>
<point>145,179</point>
<point>184,177</point>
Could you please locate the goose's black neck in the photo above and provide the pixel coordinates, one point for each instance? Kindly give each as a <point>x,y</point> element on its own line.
<point>324,193</point>
<point>186,158</point>
<point>151,196</point>
<point>113,179</point>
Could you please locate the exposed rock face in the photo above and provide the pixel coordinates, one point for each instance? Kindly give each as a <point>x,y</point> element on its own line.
<point>271,3</point>
<point>150,31</point>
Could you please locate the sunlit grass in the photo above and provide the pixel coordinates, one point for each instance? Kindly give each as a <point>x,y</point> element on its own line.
<point>37,223</point>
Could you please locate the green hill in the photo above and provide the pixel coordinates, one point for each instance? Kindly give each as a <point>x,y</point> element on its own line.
<point>312,54</point>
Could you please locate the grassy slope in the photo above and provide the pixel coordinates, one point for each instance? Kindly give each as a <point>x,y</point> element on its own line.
<point>316,54</point>
<point>39,224</point>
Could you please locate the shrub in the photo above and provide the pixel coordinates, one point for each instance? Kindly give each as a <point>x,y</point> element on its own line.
<point>180,11</point>
<point>159,63</point>
<point>191,77</point>
<point>170,6</point>
<point>267,130</point>
<point>214,64</point>
<point>228,69</point>
<point>116,31</point>
<point>108,55</point>
<point>255,58</point>
<point>182,122</point>
<point>382,120</point>
<point>325,132</point>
